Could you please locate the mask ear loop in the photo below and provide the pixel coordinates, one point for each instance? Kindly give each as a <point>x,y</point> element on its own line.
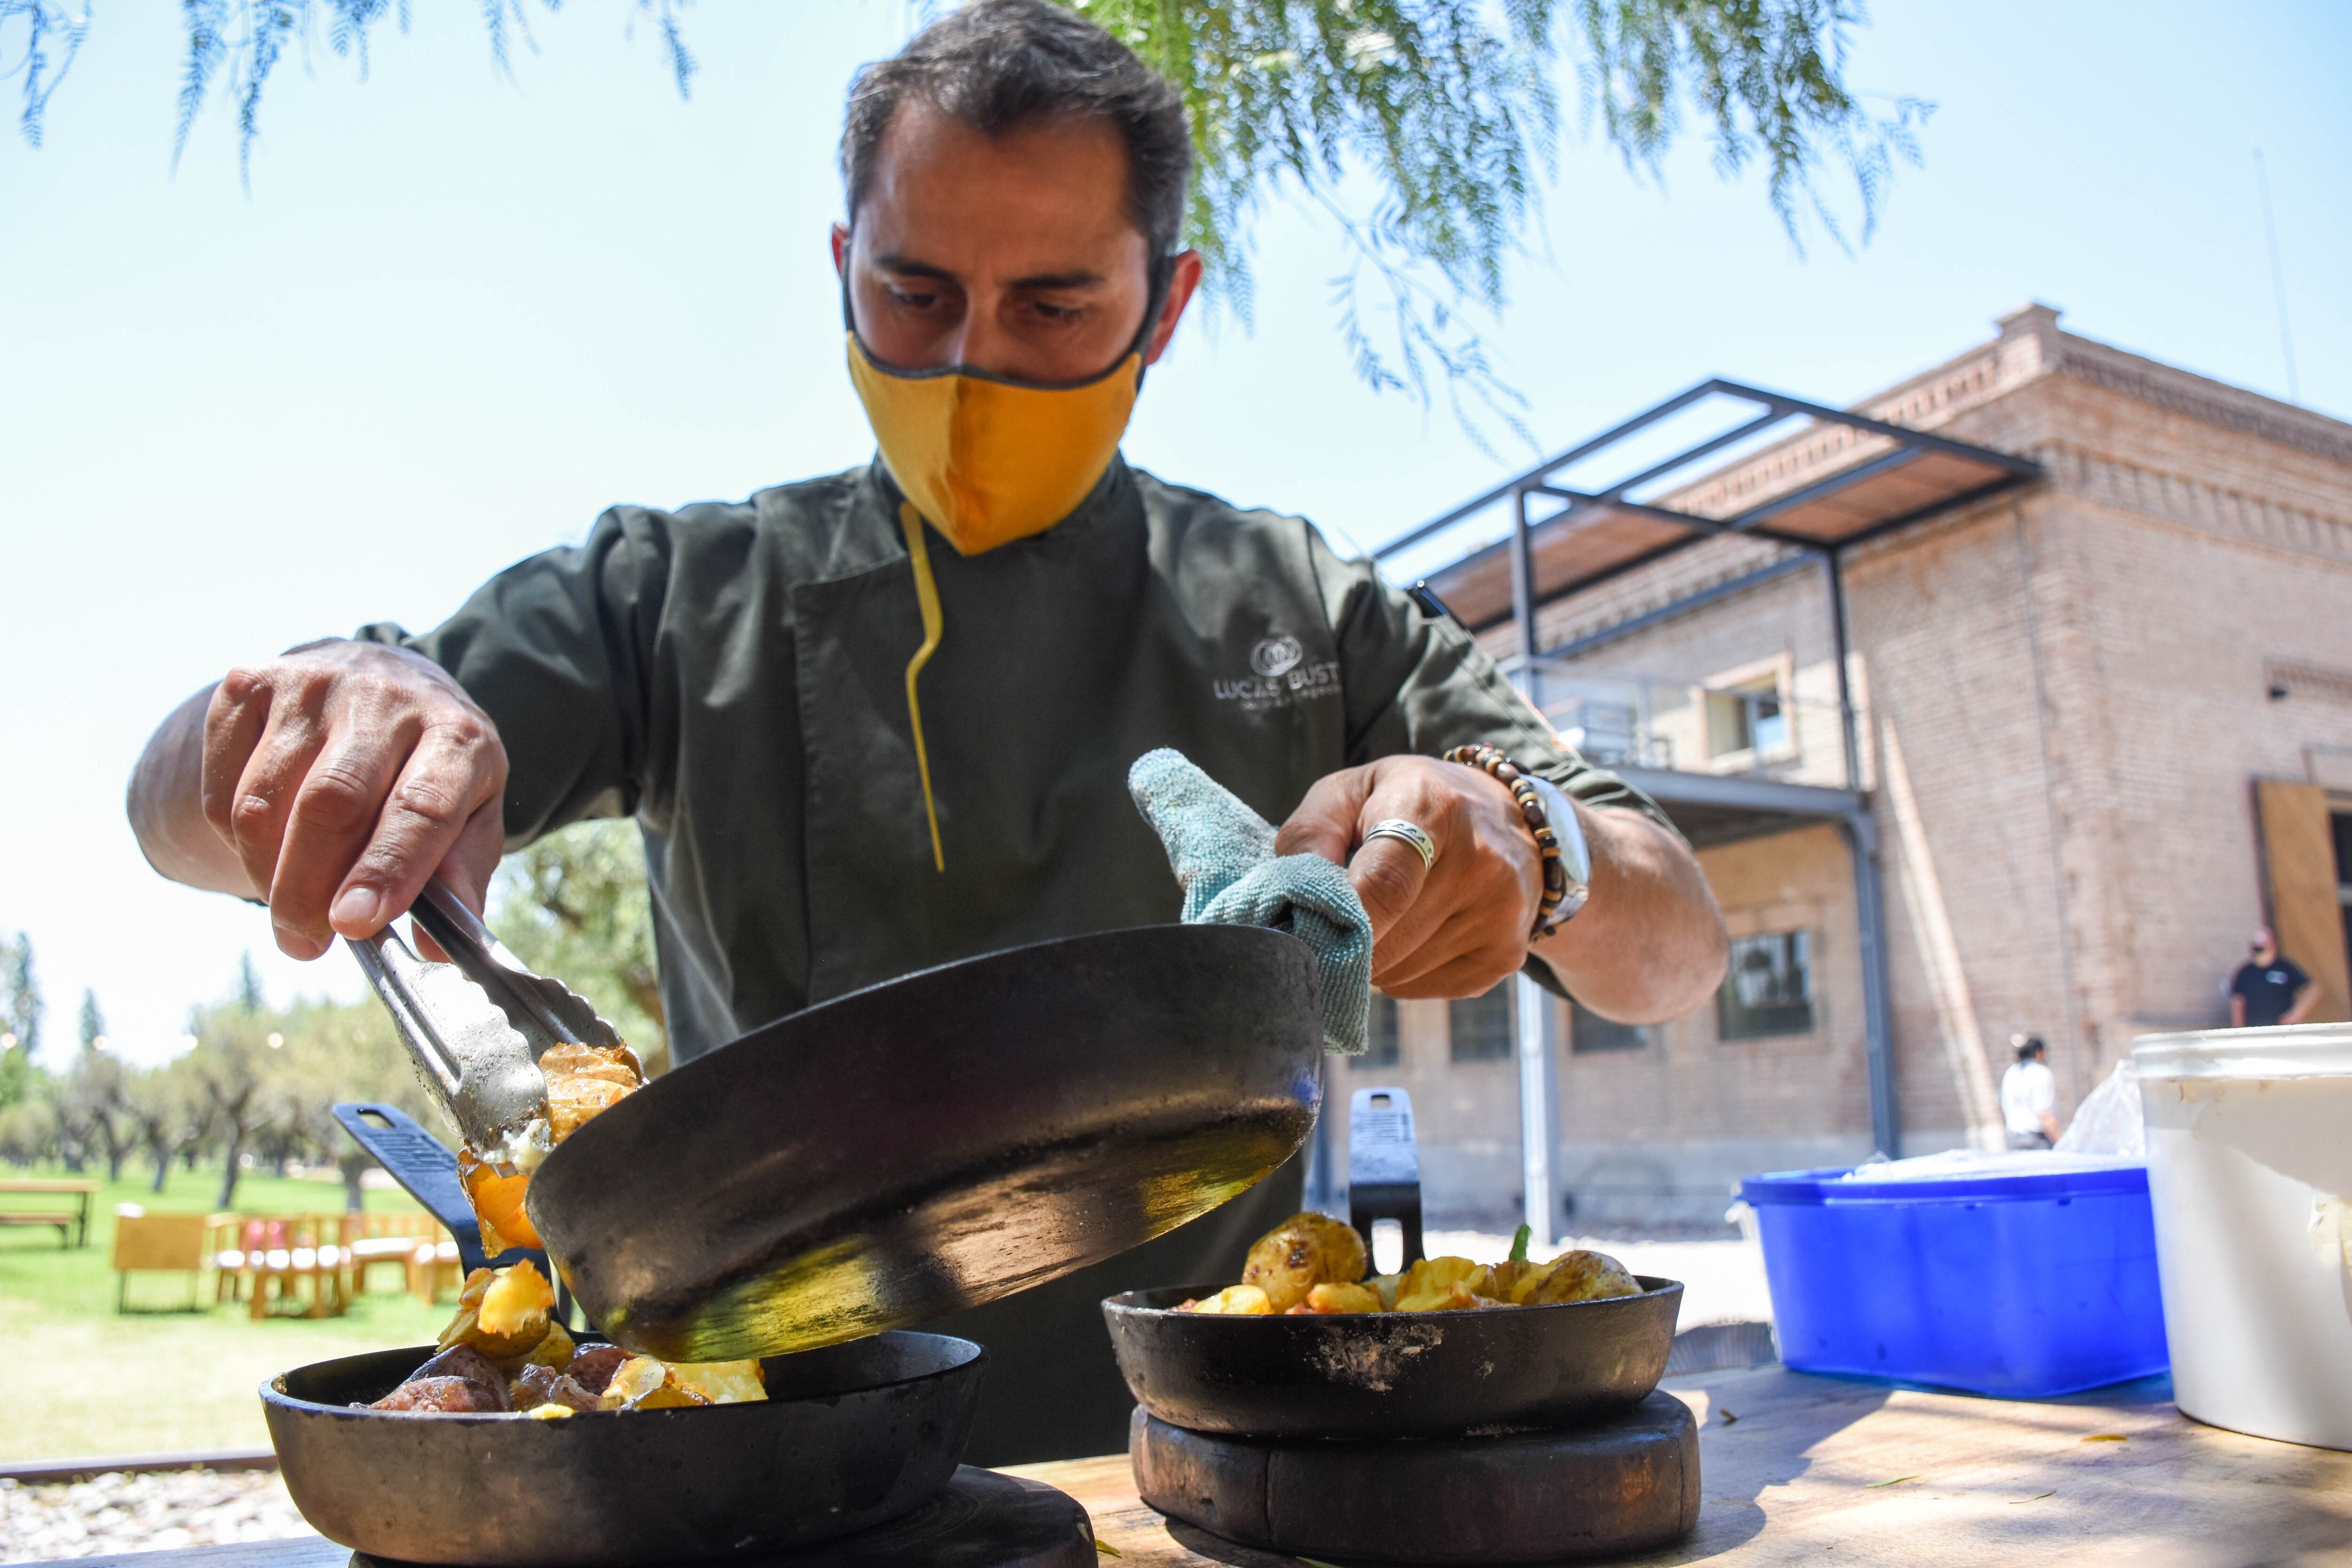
<point>926,597</point>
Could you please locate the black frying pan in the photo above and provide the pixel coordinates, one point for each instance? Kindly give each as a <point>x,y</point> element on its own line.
<point>937,1142</point>
<point>850,1438</point>
<point>1391,1374</point>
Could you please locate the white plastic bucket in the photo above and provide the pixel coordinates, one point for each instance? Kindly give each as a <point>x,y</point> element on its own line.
<point>2250,1172</point>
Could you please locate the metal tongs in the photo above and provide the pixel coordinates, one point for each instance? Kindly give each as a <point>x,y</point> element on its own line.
<point>477,1025</point>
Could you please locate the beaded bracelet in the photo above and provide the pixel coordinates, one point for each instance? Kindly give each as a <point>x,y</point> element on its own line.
<point>1492,760</point>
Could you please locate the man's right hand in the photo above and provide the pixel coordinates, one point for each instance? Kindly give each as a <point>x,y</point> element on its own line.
<point>332,782</point>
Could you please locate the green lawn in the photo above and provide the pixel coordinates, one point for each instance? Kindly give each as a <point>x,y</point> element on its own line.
<point>83,1380</point>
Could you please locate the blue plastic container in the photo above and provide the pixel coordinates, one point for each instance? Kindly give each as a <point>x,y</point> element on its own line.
<point>2019,1286</point>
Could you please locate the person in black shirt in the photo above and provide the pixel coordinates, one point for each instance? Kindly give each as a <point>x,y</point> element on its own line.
<point>2268,988</point>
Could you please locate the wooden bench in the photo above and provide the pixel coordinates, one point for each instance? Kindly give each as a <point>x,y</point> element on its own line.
<point>75,1223</point>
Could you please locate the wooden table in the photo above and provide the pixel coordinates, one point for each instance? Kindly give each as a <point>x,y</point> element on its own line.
<point>1824,1470</point>
<point>1815,1469</point>
<point>83,1193</point>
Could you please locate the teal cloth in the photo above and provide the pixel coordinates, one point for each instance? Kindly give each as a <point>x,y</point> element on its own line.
<point>1222,854</point>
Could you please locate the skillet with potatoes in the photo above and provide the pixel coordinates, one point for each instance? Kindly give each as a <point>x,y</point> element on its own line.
<point>1308,1345</point>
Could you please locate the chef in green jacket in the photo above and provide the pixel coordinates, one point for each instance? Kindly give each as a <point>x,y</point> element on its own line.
<point>883,719</point>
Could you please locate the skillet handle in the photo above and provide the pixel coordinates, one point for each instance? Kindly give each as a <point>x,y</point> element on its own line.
<point>1384,1166</point>
<point>423,1166</point>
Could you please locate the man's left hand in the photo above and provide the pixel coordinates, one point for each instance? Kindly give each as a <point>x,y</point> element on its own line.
<point>1457,926</point>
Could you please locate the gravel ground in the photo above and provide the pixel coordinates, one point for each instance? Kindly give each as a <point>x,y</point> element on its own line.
<point>117,1512</point>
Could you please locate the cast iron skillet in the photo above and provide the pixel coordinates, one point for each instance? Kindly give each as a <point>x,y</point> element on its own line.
<point>850,1438</point>
<point>1387,1375</point>
<point>936,1142</point>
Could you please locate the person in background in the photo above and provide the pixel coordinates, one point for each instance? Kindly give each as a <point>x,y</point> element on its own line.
<point>2268,988</point>
<point>2029,1096</point>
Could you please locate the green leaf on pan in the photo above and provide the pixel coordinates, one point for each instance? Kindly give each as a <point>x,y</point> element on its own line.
<point>1520,1244</point>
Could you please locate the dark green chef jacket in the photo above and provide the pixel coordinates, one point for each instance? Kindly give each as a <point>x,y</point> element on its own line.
<point>734,677</point>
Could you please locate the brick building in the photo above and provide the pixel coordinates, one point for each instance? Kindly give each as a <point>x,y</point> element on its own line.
<point>2094,724</point>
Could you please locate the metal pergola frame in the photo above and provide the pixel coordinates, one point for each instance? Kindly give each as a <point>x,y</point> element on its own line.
<point>1848,807</point>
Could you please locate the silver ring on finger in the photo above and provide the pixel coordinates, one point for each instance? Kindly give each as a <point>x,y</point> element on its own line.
<point>1411,833</point>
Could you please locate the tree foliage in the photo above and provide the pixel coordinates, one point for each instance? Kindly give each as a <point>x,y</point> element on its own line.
<point>1424,130</point>
<point>20,1018</point>
<point>573,906</point>
<point>256,1085</point>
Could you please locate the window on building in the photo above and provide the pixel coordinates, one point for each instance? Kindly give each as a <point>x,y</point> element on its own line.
<point>2339,826</point>
<point>1749,717</point>
<point>1588,1031</point>
<point>1479,1029</point>
<point>1768,989</point>
<point>1379,1034</point>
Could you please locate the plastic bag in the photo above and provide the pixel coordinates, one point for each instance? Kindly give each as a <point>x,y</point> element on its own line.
<point>1974,1164</point>
<point>2108,1121</point>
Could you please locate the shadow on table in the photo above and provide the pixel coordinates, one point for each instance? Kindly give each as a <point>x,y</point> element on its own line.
<point>1776,1419</point>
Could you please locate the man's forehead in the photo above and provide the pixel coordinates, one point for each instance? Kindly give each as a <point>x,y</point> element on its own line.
<point>1043,201</point>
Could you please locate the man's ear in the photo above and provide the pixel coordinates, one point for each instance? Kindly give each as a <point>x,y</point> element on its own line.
<point>840,249</point>
<point>1185,278</point>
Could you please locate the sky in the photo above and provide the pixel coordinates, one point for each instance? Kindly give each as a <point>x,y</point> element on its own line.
<point>457,314</point>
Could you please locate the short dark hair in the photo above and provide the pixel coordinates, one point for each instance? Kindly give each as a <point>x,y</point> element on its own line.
<point>998,65</point>
<point>2030,1047</point>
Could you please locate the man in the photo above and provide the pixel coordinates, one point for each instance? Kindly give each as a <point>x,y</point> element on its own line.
<point>2029,1095</point>
<point>2269,988</point>
<point>881,721</point>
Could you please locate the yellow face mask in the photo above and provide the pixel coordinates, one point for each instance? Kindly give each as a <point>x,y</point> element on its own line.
<point>987,461</point>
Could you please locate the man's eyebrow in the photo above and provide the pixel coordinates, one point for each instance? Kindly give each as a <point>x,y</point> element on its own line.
<point>911,268</point>
<point>1081,279</point>
<point>907,266</point>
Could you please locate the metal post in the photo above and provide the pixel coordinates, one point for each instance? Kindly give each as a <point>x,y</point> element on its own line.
<point>1539,1068</point>
<point>1877,1006</point>
<point>1538,1108</point>
<point>1846,719</point>
<point>1869,904</point>
<point>1523,581</point>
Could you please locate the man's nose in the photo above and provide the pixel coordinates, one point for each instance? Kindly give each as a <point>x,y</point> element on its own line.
<point>981,341</point>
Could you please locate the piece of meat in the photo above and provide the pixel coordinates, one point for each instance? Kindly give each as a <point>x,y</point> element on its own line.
<point>459,1379</point>
<point>443,1396</point>
<point>461,1361</point>
<point>541,1385</point>
<point>593,1368</point>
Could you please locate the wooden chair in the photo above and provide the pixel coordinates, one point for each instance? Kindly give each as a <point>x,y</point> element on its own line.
<point>413,1239</point>
<point>163,1244</point>
<point>274,1257</point>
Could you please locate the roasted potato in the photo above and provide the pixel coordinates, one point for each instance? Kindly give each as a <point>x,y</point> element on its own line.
<point>582,1080</point>
<point>1574,1277</point>
<point>1332,1297</point>
<point>723,1382</point>
<point>1244,1301</point>
<point>644,1384</point>
<point>503,1314</point>
<point>1302,1252</point>
<point>1312,1263</point>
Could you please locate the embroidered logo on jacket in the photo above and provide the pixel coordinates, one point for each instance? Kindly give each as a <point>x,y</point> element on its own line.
<point>1284,677</point>
<point>1277,656</point>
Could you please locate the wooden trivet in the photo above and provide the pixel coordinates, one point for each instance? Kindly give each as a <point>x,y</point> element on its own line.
<point>1620,1484</point>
